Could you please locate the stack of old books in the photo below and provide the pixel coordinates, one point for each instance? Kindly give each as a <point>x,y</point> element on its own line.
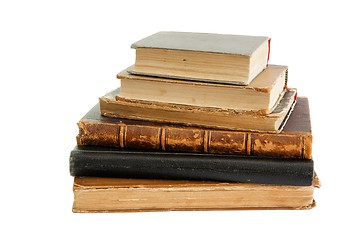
<point>201,121</point>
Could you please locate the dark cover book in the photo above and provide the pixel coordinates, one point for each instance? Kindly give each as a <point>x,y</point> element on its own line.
<point>107,162</point>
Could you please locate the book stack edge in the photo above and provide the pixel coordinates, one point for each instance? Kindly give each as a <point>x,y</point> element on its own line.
<point>189,131</point>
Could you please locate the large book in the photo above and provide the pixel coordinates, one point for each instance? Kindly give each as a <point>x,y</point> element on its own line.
<point>134,195</point>
<point>294,141</point>
<point>224,58</point>
<point>106,162</point>
<point>112,105</point>
<point>260,96</point>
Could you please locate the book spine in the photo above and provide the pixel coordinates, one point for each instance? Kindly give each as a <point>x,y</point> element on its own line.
<point>190,166</point>
<point>268,55</point>
<point>194,140</point>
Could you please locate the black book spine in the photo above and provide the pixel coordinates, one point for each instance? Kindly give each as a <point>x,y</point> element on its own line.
<point>96,162</point>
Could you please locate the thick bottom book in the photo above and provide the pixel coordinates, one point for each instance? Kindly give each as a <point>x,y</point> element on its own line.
<point>136,195</point>
<point>108,162</point>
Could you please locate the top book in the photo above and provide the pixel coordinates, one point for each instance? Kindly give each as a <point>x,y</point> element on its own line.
<point>207,57</point>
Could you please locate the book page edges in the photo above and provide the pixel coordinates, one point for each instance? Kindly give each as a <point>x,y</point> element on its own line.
<point>111,107</point>
<point>157,186</point>
<point>131,74</point>
<point>307,207</point>
<point>192,80</point>
<point>282,125</point>
<point>285,100</point>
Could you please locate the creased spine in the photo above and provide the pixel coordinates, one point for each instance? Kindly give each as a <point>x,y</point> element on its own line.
<point>194,140</point>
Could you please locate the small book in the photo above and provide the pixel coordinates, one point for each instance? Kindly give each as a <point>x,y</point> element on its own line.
<point>112,105</point>
<point>107,162</point>
<point>223,58</point>
<point>260,96</point>
<point>138,195</point>
<point>294,141</point>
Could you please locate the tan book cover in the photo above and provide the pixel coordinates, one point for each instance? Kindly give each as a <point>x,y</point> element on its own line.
<point>224,58</point>
<point>114,106</point>
<point>261,95</point>
<point>137,195</point>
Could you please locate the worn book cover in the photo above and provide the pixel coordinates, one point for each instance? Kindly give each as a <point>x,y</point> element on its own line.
<point>261,95</point>
<point>113,106</point>
<point>138,195</point>
<point>203,42</point>
<point>294,141</point>
<point>106,162</point>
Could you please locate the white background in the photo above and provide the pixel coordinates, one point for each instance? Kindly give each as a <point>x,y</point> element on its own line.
<point>58,57</point>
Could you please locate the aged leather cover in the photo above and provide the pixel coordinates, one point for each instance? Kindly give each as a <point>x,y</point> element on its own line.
<point>138,195</point>
<point>102,162</point>
<point>295,140</point>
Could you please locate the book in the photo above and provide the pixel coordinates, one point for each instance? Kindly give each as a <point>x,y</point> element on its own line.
<point>224,58</point>
<point>260,96</point>
<point>113,106</point>
<point>294,141</point>
<point>138,195</point>
<point>107,162</point>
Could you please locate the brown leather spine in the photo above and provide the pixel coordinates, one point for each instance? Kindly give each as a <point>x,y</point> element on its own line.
<point>194,140</point>
<point>295,141</point>
<point>95,133</point>
<point>296,146</point>
<point>142,137</point>
<point>185,140</point>
<point>227,142</point>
